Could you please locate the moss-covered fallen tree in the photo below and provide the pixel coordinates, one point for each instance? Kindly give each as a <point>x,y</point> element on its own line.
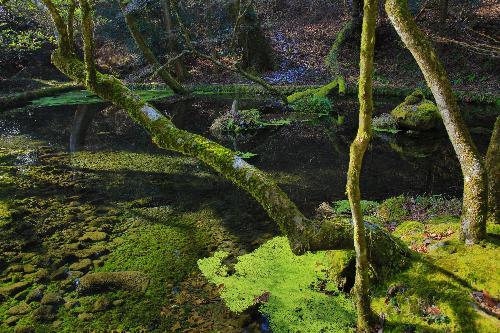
<point>304,234</point>
<point>24,98</point>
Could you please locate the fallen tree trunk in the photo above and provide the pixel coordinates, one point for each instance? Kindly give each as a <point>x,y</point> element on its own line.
<point>22,99</point>
<point>304,234</point>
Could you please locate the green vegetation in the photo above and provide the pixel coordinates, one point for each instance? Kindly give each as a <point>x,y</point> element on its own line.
<point>293,291</point>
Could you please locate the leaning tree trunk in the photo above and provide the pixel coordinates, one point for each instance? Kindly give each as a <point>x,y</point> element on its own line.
<point>304,234</point>
<point>475,181</point>
<point>493,169</point>
<point>146,51</point>
<point>172,45</point>
<point>358,149</point>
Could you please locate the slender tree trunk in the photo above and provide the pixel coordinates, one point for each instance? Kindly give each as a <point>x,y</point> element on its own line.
<point>443,11</point>
<point>358,149</point>
<point>88,35</point>
<point>475,181</point>
<point>146,51</point>
<point>493,169</point>
<point>172,47</point>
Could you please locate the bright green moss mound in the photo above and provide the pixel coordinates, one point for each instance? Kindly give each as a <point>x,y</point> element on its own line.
<point>294,304</point>
<point>313,104</point>
<point>416,113</point>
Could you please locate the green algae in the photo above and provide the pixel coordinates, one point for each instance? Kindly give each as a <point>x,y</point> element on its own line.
<point>285,287</point>
<point>86,97</point>
<point>130,161</point>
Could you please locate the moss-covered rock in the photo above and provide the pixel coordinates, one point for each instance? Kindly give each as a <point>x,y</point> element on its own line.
<point>105,281</point>
<point>14,288</point>
<point>416,113</point>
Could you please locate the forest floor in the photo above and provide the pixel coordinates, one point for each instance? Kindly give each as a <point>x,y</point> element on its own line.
<point>124,206</point>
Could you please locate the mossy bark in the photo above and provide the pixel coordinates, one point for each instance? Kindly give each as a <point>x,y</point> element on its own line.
<point>88,43</point>
<point>147,52</point>
<point>357,151</point>
<point>475,181</point>
<point>493,169</point>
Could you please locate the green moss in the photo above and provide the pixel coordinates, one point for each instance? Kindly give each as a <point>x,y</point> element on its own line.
<point>322,91</point>
<point>128,161</point>
<point>343,207</point>
<point>86,97</point>
<point>416,113</point>
<point>393,209</point>
<point>313,104</point>
<point>287,287</point>
<point>410,231</point>
<point>446,280</point>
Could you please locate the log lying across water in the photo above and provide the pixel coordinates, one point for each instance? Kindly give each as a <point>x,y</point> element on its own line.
<point>24,98</point>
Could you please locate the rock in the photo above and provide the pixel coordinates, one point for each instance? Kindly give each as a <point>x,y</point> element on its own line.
<point>14,288</point>
<point>94,236</point>
<point>24,329</point>
<point>29,268</point>
<point>97,263</point>
<point>51,299</point>
<point>59,274</point>
<point>11,321</point>
<point>104,281</point>
<point>75,274</point>
<point>21,295</point>
<point>35,295</point>
<point>15,268</point>
<point>93,252</point>
<point>85,316</point>
<point>101,304</point>
<point>71,304</point>
<point>44,313</point>
<point>82,265</point>
<point>416,113</point>
<point>42,275</point>
<point>118,302</point>
<point>20,309</point>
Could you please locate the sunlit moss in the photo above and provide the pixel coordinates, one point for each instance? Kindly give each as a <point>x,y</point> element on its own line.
<point>291,282</point>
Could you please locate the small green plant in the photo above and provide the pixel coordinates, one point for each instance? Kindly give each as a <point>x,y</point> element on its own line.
<point>342,207</point>
<point>393,209</point>
<point>314,104</point>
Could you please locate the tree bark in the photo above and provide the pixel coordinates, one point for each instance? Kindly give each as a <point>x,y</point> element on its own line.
<point>172,47</point>
<point>443,11</point>
<point>474,211</point>
<point>147,52</point>
<point>88,35</point>
<point>493,169</point>
<point>357,151</point>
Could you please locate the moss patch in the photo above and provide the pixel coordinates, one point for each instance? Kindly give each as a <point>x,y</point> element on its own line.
<point>286,286</point>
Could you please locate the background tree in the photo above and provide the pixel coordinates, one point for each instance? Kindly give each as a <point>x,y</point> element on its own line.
<point>128,9</point>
